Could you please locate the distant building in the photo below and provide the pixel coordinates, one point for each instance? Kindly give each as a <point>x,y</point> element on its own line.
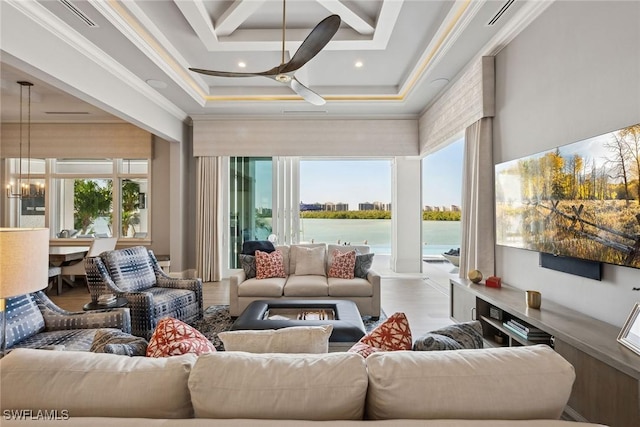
<point>311,207</point>
<point>330,206</point>
<point>451,208</point>
<point>375,206</point>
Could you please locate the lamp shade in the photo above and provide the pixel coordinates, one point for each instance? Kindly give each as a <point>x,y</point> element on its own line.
<point>24,260</point>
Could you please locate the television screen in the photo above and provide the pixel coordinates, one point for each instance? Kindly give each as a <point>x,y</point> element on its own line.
<point>579,200</point>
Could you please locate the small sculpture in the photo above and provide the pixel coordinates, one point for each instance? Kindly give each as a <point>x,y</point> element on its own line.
<point>475,276</point>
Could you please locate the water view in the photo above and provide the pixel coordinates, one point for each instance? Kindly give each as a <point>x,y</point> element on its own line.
<point>438,236</point>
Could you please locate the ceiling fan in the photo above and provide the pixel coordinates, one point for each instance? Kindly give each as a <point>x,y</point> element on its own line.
<point>283,73</point>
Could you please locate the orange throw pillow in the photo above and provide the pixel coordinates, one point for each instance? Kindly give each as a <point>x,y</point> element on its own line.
<point>269,265</point>
<point>392,335</point>
<point>343,264</point>
<point>173,337</point>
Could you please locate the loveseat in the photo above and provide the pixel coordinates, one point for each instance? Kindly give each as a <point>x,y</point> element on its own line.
<point>299,284</point>
<point>525,386</point>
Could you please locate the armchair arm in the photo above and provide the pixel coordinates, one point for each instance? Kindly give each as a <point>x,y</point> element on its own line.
<point>56,319</point>
<point>374,279</point>
<point>98,279</point>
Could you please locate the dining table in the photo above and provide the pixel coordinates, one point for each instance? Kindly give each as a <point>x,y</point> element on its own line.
<point>60,256</point>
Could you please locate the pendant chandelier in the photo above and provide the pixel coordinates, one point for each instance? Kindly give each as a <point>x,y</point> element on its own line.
<point>24,189</point>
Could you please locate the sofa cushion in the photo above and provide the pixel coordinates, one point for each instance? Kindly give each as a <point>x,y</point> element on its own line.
<point>310,261</point>
<point>23,319</point>
<point>328,386</point>
<point>453,337</point>
<point>343,264</point>
<point>248,264</point>
<point>295,339</point>
<point>97,384</point>
<point>306,286</point>
<point>272,287</point>
<point>118,342</point>
<point>363,265</point>
<point>349,287</point>
<point>130,268</point>
<point>173,337</point>
<point>269,265</point>
<point>529,382</point>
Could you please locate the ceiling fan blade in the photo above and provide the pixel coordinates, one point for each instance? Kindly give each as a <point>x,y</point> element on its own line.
<point>270,72</point>
<point>306,93</point>
<point>315,41</point>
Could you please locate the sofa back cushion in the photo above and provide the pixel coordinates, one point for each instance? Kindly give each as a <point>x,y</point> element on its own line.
<point>24,318</point>
<point>97,384</point>
<point>329,386</point>
<point>532,382</point>
<point>130,269</point>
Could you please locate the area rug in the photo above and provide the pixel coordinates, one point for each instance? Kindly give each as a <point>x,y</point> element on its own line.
<point>217,319</point>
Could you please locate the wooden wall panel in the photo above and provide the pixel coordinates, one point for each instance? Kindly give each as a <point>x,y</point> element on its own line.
<point>77,140</point>
<point>278,137</point>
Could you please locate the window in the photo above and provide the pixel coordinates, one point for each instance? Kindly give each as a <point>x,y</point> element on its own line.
<point>86,198</point>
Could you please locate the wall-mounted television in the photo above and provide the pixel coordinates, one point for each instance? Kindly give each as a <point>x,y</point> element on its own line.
<point>580,200</point>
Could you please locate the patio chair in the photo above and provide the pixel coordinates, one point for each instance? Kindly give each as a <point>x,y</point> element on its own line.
<point>34,321</point>
<point>133,273</point>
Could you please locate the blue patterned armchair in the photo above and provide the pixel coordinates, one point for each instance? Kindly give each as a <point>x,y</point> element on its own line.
<point>34,321</point>
<point>133,273</point>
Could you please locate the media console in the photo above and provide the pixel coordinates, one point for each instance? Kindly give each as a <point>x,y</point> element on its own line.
<point>607,386</point>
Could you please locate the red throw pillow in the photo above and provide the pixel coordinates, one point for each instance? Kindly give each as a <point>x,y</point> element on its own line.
<point>173,337</point>
<point>343,264</point>
<point>269,265</point>
<point>392,335</point>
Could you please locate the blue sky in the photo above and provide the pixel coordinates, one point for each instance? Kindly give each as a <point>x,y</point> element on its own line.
<point>358,181</point>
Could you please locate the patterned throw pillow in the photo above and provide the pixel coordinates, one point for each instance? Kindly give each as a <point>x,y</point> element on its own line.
<point>454,337</point>
<point>269,265</point>
<point>248,263</point>
<point>435,342</point>
<point>392,335</point>
<point>363,265</point>
<point>343,264</point>
<point>118,342</point>
<point>173,337</point>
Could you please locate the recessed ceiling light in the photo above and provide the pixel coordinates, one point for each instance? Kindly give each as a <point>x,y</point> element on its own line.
<point>242,64</point>
<point>359,64</point>
<point>158,84</point>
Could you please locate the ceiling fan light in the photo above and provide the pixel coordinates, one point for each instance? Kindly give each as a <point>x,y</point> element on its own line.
<point>358,64</point>
<point>283,78</point>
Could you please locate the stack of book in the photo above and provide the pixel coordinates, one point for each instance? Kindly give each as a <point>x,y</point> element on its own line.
<point>527,332</point>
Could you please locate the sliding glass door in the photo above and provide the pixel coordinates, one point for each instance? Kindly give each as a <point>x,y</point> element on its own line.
<point>250,202</point>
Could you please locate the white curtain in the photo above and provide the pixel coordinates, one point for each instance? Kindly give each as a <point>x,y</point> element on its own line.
<point>209,219</point>
<point>478,235</point>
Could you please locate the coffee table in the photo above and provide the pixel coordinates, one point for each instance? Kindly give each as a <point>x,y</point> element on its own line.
<point>276,314</point>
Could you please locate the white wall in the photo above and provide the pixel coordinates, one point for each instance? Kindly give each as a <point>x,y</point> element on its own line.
<point>572,74</point>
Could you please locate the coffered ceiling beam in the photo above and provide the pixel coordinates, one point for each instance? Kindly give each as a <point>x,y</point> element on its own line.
<point>352,18</point>
<point>196,15</point>
<point>235,15</point>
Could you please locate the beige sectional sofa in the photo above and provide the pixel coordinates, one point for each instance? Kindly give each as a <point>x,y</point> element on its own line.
<point>364,292</point>
<point>524,386</point>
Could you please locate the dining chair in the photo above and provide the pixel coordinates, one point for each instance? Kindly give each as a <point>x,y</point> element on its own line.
<point>97,247</point>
